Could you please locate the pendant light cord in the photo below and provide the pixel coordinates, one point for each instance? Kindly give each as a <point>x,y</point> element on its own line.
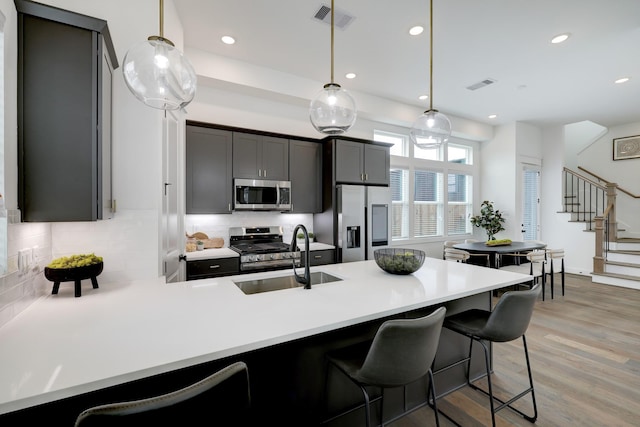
<point>430,54</point>
<point>162,18</point>
<point>332,15</point>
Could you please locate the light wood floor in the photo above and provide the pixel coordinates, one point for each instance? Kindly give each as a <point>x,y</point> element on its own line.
<point>585,356</point>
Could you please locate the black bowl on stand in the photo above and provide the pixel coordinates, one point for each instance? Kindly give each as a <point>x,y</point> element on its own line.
<point>75,274</point>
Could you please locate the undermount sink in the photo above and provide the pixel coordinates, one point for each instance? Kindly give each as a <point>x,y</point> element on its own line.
<point>282,282</point>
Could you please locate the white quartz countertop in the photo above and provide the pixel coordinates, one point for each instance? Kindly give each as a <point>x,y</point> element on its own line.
<point>212,254</point>
<point>62,346</point>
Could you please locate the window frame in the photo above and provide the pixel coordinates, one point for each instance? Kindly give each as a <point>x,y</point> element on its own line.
<point>444,167</point>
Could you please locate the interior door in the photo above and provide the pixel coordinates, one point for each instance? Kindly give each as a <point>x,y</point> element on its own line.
<point>171,224</point>
<point>530,203</point>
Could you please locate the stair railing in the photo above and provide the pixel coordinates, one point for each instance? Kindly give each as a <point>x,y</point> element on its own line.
<point>583,197</point>
<point>627,192</point>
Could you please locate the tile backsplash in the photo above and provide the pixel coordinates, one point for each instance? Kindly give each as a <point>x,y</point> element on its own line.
<point>120,241</point>
<point>218,225</point>
<point>19,288</point>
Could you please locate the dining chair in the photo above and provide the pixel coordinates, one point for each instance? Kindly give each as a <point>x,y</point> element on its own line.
<point>222,398</point>
<point>535,267</point>
<point>555,256</point>
<point>402,352</point>
<point>448,245</point>
<point>507,322</point>
<point>452,254</point>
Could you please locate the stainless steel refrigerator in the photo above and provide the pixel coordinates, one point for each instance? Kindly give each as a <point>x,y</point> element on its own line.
<point>362,221</point>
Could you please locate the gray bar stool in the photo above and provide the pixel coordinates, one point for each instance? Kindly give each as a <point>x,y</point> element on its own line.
<point>402,351</point>
<point>508,321</point>
<point>222,398</point>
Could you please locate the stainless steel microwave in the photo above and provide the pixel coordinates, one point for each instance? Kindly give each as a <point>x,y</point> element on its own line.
<point>262,195</point>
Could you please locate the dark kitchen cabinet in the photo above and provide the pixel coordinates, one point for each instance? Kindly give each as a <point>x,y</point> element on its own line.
<point>207,268</point>
<point>361,163</point>
<point>260,157</point>
<point>305,172</point>
<point>65,66</point>
<point>209,154</point>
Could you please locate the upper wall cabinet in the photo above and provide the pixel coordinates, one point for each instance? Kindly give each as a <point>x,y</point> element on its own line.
<point>305,171</point>
<point>65,66</point>
<point>209,180</point>
<point>361,163</point>
<point>260,157</point>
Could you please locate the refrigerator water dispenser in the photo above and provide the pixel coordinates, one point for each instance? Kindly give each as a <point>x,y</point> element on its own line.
<point>353,236</point>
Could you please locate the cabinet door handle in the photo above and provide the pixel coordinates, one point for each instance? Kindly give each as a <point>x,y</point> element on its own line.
<point>265,173</point>
<point>366,177</point>
<point>229,207</point>
<point>213,267</point>
<point>317,257</point>
<point>259,172</point>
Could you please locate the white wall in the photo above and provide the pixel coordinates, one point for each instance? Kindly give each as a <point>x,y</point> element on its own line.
<point>498,172</point>
<point>598,158</point>
<point>577,137</point>
<point>246,95</point>
<point>556,230</point>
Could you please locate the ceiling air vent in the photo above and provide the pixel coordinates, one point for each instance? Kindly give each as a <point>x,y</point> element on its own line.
<point>342,19</point>
<point>483,83</point>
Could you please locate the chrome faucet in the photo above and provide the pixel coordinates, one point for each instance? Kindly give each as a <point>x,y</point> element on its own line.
<point>306,279</point>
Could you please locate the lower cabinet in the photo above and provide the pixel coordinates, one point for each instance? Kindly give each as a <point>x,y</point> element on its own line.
<point>326,256</point>
<point>218,267</point>
<point>207,268</point>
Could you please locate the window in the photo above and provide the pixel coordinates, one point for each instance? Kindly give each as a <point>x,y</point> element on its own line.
<point>459,154</point>
<point>427,203</point>
<point>400,146</point>
<point>459,206</point>
<point>431,198</point>
<point>400,203</point>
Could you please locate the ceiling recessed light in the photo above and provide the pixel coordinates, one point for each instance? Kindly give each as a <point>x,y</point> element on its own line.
<point>622,80</point>
<point>493,116</point>
<point>423,97</point>
<point>350,75</point>
<point>228,40</point>
<point>560,38</point>
<point>414,31</point>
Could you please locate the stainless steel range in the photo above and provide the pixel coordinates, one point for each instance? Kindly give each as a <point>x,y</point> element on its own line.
<point>262,248</point>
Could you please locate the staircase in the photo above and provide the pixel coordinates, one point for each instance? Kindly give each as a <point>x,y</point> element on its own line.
<point>622,264</point>
<point>617,259</point>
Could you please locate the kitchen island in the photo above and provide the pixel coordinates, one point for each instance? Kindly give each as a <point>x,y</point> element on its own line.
<point>62,347</point>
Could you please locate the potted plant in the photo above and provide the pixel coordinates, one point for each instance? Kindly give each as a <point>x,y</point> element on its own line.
<point>490,219</point>
<point>300,237</point>
<point>200,245</point>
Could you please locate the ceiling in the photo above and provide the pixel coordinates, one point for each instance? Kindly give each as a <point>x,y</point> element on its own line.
<point>505,40</point>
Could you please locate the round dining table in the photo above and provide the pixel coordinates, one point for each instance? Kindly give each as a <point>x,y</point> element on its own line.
<point>493,251</point>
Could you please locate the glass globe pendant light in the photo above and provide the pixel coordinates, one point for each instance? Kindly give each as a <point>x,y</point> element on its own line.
<point>432,128</point>
<point>158,74</point>
<point>333,110</point>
